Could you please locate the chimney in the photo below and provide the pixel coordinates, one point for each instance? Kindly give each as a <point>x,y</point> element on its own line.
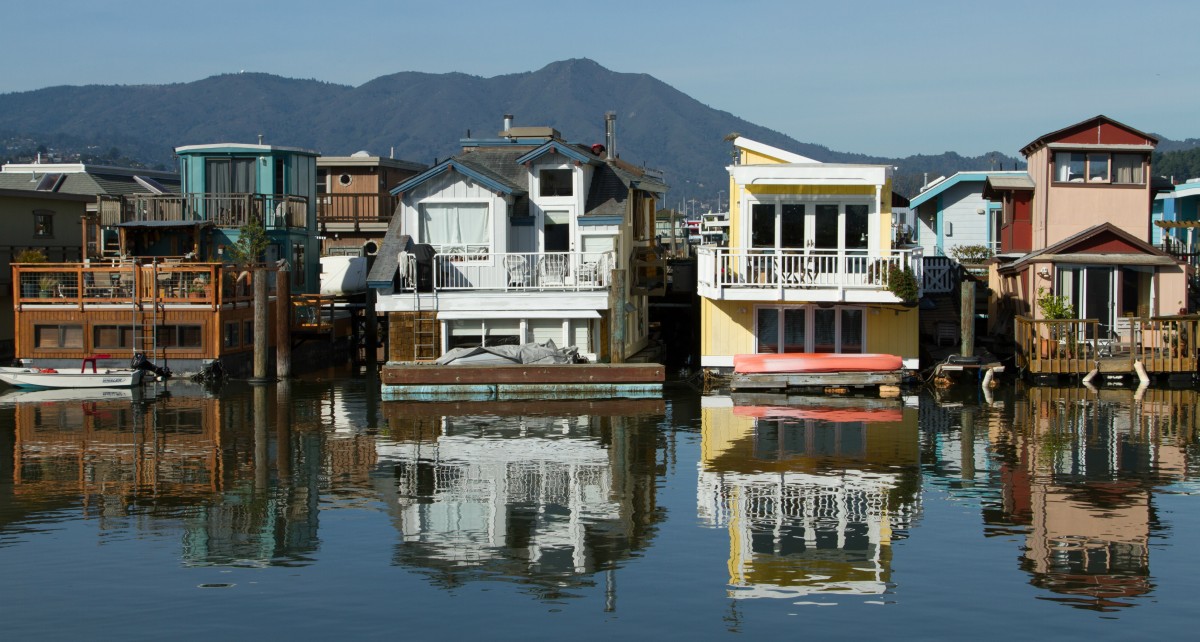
<point>508,118</point>
<point>610,133</point>
<point>260,139</point>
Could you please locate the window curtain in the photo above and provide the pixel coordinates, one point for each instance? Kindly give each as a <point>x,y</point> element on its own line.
<point>456,224</point>
<point>216,176</point>
<point>1127,168</point>
<point>243,176</point>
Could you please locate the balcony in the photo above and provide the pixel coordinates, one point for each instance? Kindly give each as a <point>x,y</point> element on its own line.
<point>353,211</point>
<point>276,211</point>
<point>810,274</point>
<point>459,269</point>
<point>1163,345</point>
<point>79,285</point>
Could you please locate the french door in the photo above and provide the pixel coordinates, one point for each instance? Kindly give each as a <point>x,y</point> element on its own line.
<point>810,328</point>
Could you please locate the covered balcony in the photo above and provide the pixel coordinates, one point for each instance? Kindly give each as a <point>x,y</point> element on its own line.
<point>276,211</point>
<point>354,211</point>
<point>462,270</point>
<point>809,274</point>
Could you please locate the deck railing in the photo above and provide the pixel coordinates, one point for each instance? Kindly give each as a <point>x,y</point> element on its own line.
<point>1076,346</point>
<point>276,211</point>
<point>117,283</point>
<point>354,209</point>
<point>509,271</point>
<point>810,268</point>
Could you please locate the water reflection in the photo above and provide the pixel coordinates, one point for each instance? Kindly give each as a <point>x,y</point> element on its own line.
<point>1074,472</point>
<point>171,456</point>
<point>813,493</point>
<point>545,494</point>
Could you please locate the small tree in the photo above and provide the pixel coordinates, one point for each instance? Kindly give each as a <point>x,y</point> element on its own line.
<point>1054,307</point>
<point>251,243</point>
<point>31,255</point>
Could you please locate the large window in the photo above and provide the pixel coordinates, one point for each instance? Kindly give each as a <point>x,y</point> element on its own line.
<point>456,228</point>
<point>112,336</point>
<point>180,336</point>
<point>810,328</point>
<point>229,176</point>
<point>1098,167</point>
<point>58,336</point>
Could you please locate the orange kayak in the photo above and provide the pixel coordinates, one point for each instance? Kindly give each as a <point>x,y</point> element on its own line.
<point>800,362</point>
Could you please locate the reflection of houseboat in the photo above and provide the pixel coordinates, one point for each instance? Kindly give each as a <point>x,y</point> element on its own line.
<point>505,490</point>
<point>159,275</point>
<point>812,495</point>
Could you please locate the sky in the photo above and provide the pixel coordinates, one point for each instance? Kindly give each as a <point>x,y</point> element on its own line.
<point>880,78</point>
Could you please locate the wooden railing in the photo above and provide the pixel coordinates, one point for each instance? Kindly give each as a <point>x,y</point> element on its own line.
<point>116,283</point>
<point>1076,346</point>
<point>354,209</point>
<point>276,211</point>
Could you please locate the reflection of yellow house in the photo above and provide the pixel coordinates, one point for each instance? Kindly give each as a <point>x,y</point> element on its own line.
<point>810,265</point>
<point>811,504</point>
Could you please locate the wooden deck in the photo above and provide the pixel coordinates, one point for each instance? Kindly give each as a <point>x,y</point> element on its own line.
<point>814,381</point>
<point>1164,346</point>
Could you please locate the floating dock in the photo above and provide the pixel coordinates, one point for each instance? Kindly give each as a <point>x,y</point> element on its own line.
<point>520,381</point>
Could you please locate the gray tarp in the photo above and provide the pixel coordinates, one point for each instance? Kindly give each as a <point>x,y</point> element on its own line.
<point>530,353</point>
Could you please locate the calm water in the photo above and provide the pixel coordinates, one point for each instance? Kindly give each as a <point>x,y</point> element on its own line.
<point>312,509</point>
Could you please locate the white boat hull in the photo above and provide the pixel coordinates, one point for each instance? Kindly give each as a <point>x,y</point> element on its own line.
<point>39,378</point>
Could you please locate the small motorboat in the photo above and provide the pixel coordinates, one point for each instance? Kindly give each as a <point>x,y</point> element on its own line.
<point>52,378</point>
<point>803,362</point>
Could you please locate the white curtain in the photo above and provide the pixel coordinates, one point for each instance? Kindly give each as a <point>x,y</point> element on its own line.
<point>465,224</point>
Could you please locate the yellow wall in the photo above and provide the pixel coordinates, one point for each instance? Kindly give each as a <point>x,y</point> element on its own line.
<point>727,328</point>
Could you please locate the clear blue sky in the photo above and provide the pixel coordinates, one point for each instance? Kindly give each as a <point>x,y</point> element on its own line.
<point>888,78</point>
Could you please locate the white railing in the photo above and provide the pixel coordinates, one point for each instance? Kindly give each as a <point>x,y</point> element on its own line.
<point>810,268</point>
<point>512,271</point>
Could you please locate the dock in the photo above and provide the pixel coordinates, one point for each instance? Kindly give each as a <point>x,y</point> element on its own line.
<point>827,382</point>
<point>416,381</point>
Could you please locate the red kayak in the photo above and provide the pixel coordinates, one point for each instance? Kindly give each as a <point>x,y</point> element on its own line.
<point>801,362</point>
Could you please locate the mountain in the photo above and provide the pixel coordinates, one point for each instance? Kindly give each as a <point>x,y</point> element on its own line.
<point>419,117</point>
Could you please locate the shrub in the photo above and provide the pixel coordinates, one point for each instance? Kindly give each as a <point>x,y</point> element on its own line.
<point>902,282</point>
<point>31,255</point>
<point>971,253</point>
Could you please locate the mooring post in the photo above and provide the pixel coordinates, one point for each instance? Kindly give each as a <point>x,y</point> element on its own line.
<point>283,321</point>
<point>967,316</point>
<point>372,323</point>
<point>260,324</point>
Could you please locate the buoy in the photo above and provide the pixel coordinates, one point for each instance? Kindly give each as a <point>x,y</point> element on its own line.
<point>987,378</point>
<point>1091,375</point>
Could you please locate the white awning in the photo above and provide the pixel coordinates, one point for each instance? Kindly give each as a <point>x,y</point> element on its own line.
<point>451,315</point>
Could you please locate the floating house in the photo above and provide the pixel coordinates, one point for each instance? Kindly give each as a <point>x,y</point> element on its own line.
<point>354,201</point>
<point>810,266</point>
<point>952,212</point>
<point>522,238</point>
<point>1081,240</point>
<point>158,275</point>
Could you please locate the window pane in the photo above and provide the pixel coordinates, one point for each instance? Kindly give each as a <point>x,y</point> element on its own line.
<point>768,330</point>
<point>794,326</point>
<point>1098,167</point>
<point>856,226</point>
<point>825,229</point>
<point>555,182</point>
<point>793,226</point>
<point>45,336</point>
<point>852,335</point>
<point>72,336</point>
<point>1127,168</point>
<point>464,225</point>
<point>824,330</point>
<point>1070,167</point>
<point>231,335</point>
<point>762,225</point>
<point>190,336</point>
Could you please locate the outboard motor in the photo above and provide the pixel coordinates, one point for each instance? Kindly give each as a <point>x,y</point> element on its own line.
<point>140,363</point>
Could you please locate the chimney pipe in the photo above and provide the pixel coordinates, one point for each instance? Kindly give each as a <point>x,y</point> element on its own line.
<point>610,133</point>
<point>508,118</point>
<point>260,139</point>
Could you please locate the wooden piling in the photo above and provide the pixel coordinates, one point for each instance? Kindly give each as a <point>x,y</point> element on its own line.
<point>283,322</point>
<point>260,324</point>
<point>967,316</point>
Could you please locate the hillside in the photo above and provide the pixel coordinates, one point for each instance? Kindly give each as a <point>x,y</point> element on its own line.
<point>416,116</point>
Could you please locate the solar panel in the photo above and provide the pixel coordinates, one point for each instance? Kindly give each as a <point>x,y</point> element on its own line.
<point>50,182</point>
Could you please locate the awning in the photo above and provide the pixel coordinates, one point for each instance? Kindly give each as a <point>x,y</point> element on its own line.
<point>452,315</point>
<point>1107,259</point>
<point>1177,224</point>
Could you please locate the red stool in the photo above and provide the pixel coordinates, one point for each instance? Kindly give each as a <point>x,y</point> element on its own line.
<point>92,360</point>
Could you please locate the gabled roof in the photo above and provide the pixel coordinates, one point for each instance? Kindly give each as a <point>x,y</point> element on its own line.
<point>481,173</point>
<point>558,147</point>
<point>960,177</point>
<point>1096,121</point>
<point>1067,250</point>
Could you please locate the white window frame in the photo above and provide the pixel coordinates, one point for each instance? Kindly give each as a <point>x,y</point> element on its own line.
<point>473,257</point>
<point>810,213</point>
<point>809,324</point>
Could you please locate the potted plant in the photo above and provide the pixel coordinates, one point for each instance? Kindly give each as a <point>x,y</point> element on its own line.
<point>1053,307</point>
<point>46,285</point>
<point>198,287</point>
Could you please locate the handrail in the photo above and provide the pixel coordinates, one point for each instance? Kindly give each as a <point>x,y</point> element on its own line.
<point>1076,346</point>
<point>128,283</point>
<point>276,211</point>
<point>804,268</point>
